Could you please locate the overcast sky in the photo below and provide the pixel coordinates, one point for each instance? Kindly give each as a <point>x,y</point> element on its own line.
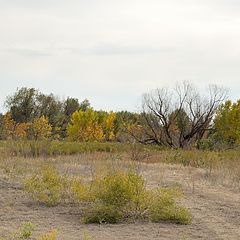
<point>112,51</point>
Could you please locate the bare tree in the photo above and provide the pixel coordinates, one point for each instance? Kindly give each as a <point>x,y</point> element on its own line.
<point>180,117</point>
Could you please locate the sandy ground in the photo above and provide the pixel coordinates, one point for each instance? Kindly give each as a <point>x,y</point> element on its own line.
<point>216,210</point>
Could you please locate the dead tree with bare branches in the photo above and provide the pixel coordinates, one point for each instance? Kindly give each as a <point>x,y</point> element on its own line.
<point>178,118</point>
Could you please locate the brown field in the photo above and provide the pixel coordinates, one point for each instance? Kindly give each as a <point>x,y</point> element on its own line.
<point>212,195</point>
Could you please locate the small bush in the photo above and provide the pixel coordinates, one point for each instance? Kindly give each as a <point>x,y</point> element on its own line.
<point>112,198</point>
<point>100,213</point>
<point>25,231</point>
<point>46,187</point>
<point>79,191</point>
<point>119,188</point>
<point>120,196</point>
<point>52,235</point>
<point>164,208</point>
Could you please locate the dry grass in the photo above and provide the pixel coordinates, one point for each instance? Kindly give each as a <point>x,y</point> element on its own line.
<point>218,167</point>
<point>198,173</point>
<point>203,196</point>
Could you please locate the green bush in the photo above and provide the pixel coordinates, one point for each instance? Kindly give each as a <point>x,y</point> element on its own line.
<point>25,231</point>
<point>79,191</point>
<point>205,144</point>
<point>164,208</point>
<point>100,213</point>
<point>111,198</point>
<point>119,188</point>
<point>119,196</point>
<point>46,186</point>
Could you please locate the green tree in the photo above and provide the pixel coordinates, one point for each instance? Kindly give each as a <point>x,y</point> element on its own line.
<point>50,107</point>
<point>71,105</point>
<point>85,105</point>
<point>23,104</point>
<point>26,104</point>
<point>227,122</point>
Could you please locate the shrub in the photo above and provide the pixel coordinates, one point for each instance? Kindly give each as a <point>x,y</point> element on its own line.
<point>120,196</point>
<point>164,208</point>
<point>79,191</point>
<point>100,213</point>
<point>52,235</point>
<point>205,144</point>
<point>119,188</point>
<point>46,187</point>
<point>25,231</point>
<point>112,198</point>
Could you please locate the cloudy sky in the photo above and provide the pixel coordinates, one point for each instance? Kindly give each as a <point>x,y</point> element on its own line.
<point>112,51</point>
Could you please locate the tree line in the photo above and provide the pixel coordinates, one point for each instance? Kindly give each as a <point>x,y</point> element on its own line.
<point>181,117</point>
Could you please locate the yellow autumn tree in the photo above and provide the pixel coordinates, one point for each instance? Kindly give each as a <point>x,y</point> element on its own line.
<point>85,126</point>
<point>21,130</point>
<point>227,122</point>
<point>108,126</point>
<point>40,128</point>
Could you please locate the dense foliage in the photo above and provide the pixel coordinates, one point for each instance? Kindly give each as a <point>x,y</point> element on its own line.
<point>182,119</point>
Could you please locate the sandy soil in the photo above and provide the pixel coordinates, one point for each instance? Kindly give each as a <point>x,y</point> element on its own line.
<point>216,210</point>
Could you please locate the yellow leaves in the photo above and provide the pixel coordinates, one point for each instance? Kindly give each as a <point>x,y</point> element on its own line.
<point>38,129</point>
<point>227,122</point>
<point>91,125</point>
<point>84,126</point>
<point>21,130</point>
<point>41,128</point>
<point>109,126</point>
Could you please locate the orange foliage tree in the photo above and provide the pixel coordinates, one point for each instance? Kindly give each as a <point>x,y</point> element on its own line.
<point>13,130</point>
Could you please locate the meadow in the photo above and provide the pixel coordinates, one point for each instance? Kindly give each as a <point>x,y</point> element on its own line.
<point>64,190</point>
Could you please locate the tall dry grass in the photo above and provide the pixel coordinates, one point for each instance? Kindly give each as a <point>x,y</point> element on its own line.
<point>20,158</point>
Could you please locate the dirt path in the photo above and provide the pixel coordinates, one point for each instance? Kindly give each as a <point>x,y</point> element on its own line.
<point>216,213</point>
